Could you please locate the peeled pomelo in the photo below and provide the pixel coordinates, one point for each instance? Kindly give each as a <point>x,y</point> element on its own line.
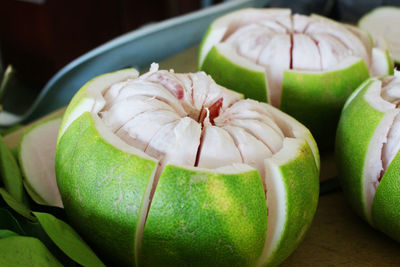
<point>37,152</point>
<point>382,22</point>
<point>305,65</point>
<point>367,146</point>
<point>172,169</point>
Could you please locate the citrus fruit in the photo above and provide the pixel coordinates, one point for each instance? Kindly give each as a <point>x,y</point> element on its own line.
<point>172,169</point>
<point>305,65</point>
<point>367,145</point>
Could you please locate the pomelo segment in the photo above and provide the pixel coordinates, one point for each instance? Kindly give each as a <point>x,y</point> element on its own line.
<point>367,153</point>
<point>168,169</point>
<point>307,66</point>
<point>191,207</point>
<point>37,151</point>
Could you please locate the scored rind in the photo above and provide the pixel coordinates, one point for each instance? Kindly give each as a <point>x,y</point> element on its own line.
<point>205,218</point>
<point>386,203</point>
<point>295,169</point>
<point>316,98</point>
<point>111,192</point>
<point>353,141</point>
<point>251,81</point>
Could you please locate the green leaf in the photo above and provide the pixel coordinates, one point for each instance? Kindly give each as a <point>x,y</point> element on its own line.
<point>16,205</point>
<point>25,251</point>
<point>7,233</point>
<point>8,221</point>
<point>11,174</point>
<point>65,237</point>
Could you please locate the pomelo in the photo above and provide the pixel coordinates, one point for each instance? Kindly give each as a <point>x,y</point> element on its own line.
<point>305,65</point>
<point>367,146</point>
<point>382,22</point>
<point>168,169</point>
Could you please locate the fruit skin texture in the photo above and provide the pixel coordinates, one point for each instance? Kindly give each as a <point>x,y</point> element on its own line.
<point>198,216</point>
<point>190,208</point>
<point>357,126</point>
<point>104,188</point>
<point>385,209</point>
<point>231,75</point>
<point>310,95</point>
<point>352,141</point>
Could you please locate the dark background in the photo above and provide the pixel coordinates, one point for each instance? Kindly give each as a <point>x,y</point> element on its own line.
<point>39,37</point>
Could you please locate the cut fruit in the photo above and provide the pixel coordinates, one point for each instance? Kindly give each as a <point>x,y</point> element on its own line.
<point>382,22</point>
<point>172,169</point>
<point>306,66</point>
<point>368,157</point>
<point>37,152</point>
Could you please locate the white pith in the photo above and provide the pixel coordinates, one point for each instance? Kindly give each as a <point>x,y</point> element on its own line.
<point>38,162</point>
<point>277,196</point>
<point>383,22</point>
<point>243,135</point>
<point>279,42</point>
<point>383,95</point>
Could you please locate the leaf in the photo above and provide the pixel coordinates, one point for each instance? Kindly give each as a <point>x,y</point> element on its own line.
<point>25,251</point>
<point>11,174</point>
<point>7,233</point>
<point>16,205</point>
<point>8,221</point>
<point>65,237</point>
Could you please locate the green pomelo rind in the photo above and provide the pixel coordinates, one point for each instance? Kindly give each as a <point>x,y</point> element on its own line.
<point>251,83</point>
<point>203,218</point>
<point>316,98</point>
<point>102,188</point>
<point>29,188</point>
<point>386,203</point>
<point>300,177</point>
<point>352,142</point>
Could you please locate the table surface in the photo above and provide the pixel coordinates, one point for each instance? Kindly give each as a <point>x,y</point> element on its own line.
<point>337,237</point>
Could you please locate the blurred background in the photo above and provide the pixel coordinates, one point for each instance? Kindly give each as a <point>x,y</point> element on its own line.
<point>39,37</point>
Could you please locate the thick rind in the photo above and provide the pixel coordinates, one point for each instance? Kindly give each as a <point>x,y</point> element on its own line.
<point>300,177</point>
<point>85,99</point>
<point>353,139</point>
<point>30,188</point>
<point>102,188</point>
<point>225,72</point>
<point>316,98</point>
<point>385,207</point>
<point>205,218</point>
